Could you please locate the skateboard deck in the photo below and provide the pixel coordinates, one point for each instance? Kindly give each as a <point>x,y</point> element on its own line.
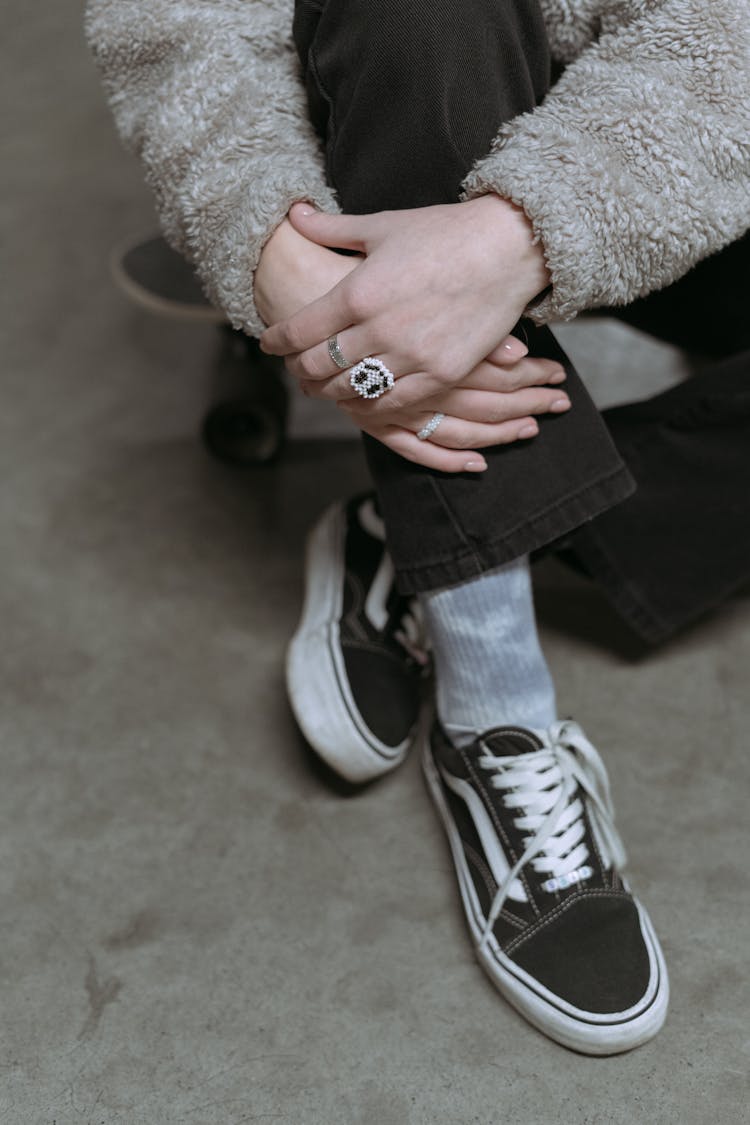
<point>248,428</point>
<point>153,275</point>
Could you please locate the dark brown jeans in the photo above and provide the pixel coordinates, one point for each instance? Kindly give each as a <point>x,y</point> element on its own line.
<point>405,96</point>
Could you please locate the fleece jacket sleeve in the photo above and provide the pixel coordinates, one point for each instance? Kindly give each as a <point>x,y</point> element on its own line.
<point>637,164</point>
<point>209,97</point>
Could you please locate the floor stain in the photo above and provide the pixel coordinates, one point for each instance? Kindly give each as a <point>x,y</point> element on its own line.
<point>100,993</point>
<point>140,929</point>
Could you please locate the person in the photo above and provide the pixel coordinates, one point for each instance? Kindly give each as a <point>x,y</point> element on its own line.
<point>485,167</point>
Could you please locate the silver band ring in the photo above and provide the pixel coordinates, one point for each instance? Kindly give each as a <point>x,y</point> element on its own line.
<point>336,354</point>
<point>429,428</point>
<point>371,378</point>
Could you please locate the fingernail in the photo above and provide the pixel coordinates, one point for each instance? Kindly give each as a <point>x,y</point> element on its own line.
<point>475,466</point>
<point>558,377</point>
<point>560,405</point>
<point>307,209</point>
<point>515,348</point>
<point>529,431</point>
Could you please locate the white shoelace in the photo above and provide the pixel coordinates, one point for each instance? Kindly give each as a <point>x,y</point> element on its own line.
<point>542,785</point>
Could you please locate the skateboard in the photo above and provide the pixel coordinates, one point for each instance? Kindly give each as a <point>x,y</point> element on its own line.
<point>249,428</point>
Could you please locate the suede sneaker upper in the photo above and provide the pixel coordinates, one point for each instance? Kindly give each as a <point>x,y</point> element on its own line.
<point>356,661</point>
<point>530,823</point>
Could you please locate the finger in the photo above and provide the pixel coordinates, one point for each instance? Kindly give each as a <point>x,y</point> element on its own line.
<point>337,389</point>
<point>469,406</point>
<point>485,377</point>
<point>528,372</point>
<point>407,391</point>
<point>455,433</point>
<point>458,434</point>
<point>313,324</point>
<point>509,351</point>
<point>486,406</point>
<point>347,232</point>
<point>315,363</point>
<point>408,445</point>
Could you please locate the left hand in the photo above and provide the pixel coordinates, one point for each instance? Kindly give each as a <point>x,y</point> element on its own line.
<point>490,407</point>
<point>438,289</point>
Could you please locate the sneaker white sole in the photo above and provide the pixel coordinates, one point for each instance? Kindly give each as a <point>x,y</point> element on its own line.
<point>318,687</point>
<point>587,1032</point>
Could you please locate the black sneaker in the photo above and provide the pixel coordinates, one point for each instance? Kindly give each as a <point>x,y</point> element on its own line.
<point>355,663</point>
<point>529,822</point>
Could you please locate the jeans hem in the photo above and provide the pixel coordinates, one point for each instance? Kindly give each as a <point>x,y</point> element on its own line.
<point>632,602</point>
<point>543,528</point>
<point>623,595</point>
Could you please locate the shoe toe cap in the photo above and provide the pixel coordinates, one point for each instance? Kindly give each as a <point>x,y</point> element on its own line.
<point>591,953</point>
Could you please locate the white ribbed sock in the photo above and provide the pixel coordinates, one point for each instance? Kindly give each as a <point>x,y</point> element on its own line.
<point>489,667</point>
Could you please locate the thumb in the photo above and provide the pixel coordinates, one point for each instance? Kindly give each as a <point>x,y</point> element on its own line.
<point>347,232</point>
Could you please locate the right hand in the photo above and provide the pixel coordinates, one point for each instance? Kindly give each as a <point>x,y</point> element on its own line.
<point>492,405</point>
<point>435,290</point>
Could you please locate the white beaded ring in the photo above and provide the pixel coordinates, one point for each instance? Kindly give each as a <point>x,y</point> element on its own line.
<point>429,427</point>
<point>371,378</point>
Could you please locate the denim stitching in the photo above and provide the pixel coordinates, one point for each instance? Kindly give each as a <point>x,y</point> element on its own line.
<point>449,560</point>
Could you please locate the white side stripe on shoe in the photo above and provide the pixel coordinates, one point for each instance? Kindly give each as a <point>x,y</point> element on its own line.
<point>493,850</point>
<point>376,610</point>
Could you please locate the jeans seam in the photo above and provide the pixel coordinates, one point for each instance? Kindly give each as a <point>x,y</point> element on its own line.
<point>330,141</point>
<point>471,548</point>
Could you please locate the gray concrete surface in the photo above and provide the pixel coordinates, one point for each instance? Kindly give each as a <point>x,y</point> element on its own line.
<point>199,927</point>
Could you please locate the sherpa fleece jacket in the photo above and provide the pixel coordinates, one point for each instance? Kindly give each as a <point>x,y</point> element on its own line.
<point>635,166</point>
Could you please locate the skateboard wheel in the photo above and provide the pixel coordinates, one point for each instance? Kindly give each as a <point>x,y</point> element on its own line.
<point>249,427</point>
<point>244,432</point>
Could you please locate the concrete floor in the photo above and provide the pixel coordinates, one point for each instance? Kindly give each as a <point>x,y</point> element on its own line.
<point>200,926</point>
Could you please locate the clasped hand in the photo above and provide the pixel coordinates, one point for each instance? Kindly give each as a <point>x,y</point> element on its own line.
<point>434,294</point>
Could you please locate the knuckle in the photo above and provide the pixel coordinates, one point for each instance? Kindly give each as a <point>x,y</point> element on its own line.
<point>521,379</point>
<point>293,338</point>
<point>544,369</point>
<point>461,439</point>
<point>397,401</point>
<point>510,381</point>
<point>357,303</point>
<point>302,364</point>
<point>444,373</point>
<point>394,440</point>
<point>309,364</point>
<point>332,390</point>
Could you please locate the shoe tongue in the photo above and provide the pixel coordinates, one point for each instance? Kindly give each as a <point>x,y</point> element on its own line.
<point>505,742</point>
